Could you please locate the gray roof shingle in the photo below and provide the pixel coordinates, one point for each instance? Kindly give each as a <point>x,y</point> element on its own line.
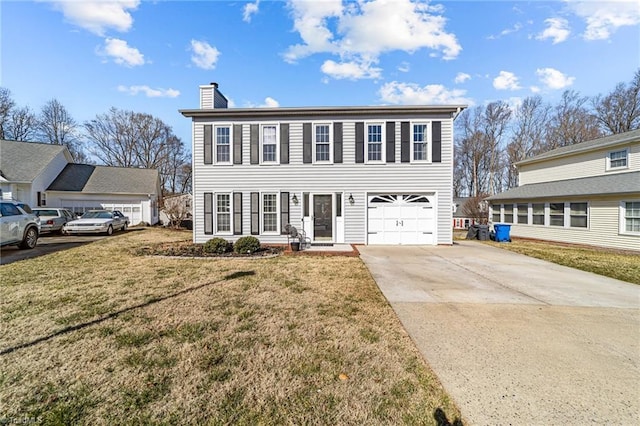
<point>106,180</point>
<point>24,161</point>
<point>619,183</point>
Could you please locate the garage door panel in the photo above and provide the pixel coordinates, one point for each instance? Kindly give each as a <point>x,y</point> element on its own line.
<point>401,219</point>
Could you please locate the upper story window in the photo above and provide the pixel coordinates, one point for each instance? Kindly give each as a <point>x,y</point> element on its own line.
<point>375,142</point>
<point>322,142</point>
<point>223,144</point>
<point>269,143</point>
<point>618,159</point>
<point>420,142</point>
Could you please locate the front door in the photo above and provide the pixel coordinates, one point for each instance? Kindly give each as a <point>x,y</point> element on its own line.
<point>322,217</point>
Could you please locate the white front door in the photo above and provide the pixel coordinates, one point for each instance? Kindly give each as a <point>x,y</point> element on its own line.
<point>401,219</point>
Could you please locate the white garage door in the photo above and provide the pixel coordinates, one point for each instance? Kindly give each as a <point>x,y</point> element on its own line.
<point>132,211</point>
<point>401,219</point>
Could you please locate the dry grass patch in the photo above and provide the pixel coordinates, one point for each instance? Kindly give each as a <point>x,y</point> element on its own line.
<point>621,265</point>
<point>98,335</point>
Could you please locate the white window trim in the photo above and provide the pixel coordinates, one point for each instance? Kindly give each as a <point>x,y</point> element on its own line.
<point>262,221</point>
<point>429,141</point>
<point>313,130</point>
<point>568,212</point>
<point>564,215</point>
<point>608,167</point>
<point>383,142</point>
<point>215,144</point>
<point>261,143</point>
<point>622,228</point>
<point>545,219</point>
<point>215,213</point>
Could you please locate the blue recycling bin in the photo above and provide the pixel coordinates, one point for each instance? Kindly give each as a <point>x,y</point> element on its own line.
<point>502,232</point>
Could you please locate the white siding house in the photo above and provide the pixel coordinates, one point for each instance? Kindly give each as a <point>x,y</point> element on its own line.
<point>367,175</point>
<point>588,193</point>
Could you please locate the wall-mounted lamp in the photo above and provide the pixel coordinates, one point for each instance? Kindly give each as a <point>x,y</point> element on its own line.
<point>294,199</point>
<point>350,199</point>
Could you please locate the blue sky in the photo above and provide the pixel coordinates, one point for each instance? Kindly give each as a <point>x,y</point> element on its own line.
<point>151,56</point>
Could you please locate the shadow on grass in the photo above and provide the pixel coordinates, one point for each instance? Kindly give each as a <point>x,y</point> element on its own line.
<point>441,419</point>
<point>238,274</point>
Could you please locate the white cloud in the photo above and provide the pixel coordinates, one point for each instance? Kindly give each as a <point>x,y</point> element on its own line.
<point>413,94</point>
<point>534,89</point>
<point>359,32</point>
<point>204,55</point>
<point>557,30</point>
<point>404,67</point>
<point>122,53</point>
<point>249,10</point>
<point>149,92</point>
<point>269,102</point>
<point>461,77</point>
<point>516,27</point>
<point>350,70</point>
<point>554,79</point>
<point>97,16</point>
<point>506,81</point>
<point>604,18</point>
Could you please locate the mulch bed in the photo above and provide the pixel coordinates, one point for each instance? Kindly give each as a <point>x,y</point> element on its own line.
<point>188,249</point>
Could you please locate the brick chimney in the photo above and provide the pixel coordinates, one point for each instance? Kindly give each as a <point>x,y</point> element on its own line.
<point>211,97</point>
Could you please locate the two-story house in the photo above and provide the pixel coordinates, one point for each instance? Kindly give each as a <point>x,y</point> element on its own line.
<point>588,193</point>
<point>366,175</point>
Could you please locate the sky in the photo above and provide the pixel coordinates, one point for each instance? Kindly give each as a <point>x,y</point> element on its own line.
<point>152,56</point>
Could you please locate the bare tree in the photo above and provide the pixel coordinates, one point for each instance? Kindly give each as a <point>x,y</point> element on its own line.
<point>56,126</point>
<point>619,111</point>
<point>177,209</point>
<point>22,124</point>
<point>477,208</point>
<point>571,122</point>
<point>6,106</point>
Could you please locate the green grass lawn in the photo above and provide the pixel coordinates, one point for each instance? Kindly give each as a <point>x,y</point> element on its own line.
<point>98,335</point>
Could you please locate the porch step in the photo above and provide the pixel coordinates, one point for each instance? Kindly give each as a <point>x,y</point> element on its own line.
<point>321,244</point>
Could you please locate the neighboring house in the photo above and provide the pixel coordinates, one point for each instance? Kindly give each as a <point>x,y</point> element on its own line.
<point>587,193</point>
<point>176,208</point>
<point>372,175</point>
<point>42,174</point>
<point>461,218</point>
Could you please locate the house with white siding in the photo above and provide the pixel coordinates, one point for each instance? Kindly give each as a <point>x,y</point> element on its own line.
<point>587,193</point>
<point>365,175</point>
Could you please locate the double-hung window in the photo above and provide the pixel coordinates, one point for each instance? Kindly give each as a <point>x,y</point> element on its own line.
<point>630,217</point>
<point>495,216</point>
<point>269,134</point>
<point>522,213</point>
<point>223,144</point>
<point>223,213</point>
<point>375,140</point>
<point>556,214</point>
<point>578,215</point>
<point>420,142</point>
<point>270,212</point>
<point>508,213</point>
<point>537,210</point>
<point>617,159</point>
<point>322,142</point>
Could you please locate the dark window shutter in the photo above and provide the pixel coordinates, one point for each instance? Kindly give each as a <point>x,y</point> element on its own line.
<point>391,142</point>
<point>284,211</point>
<point>39,199</point>
<point>284,143</point>
<point>405,142</point>
<point>255,213</point>
<point>436,141</point>
<point>237,213</point>
<point>337,142</point>
<point>254,150</point>
<point>359,142</point>
<point>208,213</point>
<point>307,156</point>
<point>208,144</point>
<point>237,144</point>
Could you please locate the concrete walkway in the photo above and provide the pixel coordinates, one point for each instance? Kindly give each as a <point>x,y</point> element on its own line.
<point>516,340</point>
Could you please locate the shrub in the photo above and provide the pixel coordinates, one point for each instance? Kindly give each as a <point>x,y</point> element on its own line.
<point>217,245</point>
<point>246,244</point>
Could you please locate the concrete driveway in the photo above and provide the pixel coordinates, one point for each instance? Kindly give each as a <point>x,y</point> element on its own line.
<point>516,340</point>
<point>47,243</point>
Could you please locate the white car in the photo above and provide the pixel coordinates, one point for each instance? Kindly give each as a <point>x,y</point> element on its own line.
<point>17,226</point>
<point>53,219</point>
<point>97,222</point>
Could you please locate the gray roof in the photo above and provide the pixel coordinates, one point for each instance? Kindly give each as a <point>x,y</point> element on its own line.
<point>24,161</point>
<point>619,183</point>
<point>106,180</point>
<point>606,142</point>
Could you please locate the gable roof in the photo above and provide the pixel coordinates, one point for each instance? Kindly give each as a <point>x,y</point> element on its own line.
<point>614,184</point>
<point>24,161</point>
<point>606,142</point>
<point>106,180</point>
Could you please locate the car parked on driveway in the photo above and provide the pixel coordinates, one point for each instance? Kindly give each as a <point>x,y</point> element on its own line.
<point>97,222</point>
<point>17,226</point>
<point>53,219</point>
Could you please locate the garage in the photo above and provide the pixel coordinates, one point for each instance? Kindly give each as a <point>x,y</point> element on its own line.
<point>401,219</point>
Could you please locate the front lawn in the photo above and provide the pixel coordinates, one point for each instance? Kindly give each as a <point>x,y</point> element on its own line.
<point>100,335</point>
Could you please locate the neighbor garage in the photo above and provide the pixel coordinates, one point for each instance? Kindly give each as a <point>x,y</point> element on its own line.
<point>401,219</point>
